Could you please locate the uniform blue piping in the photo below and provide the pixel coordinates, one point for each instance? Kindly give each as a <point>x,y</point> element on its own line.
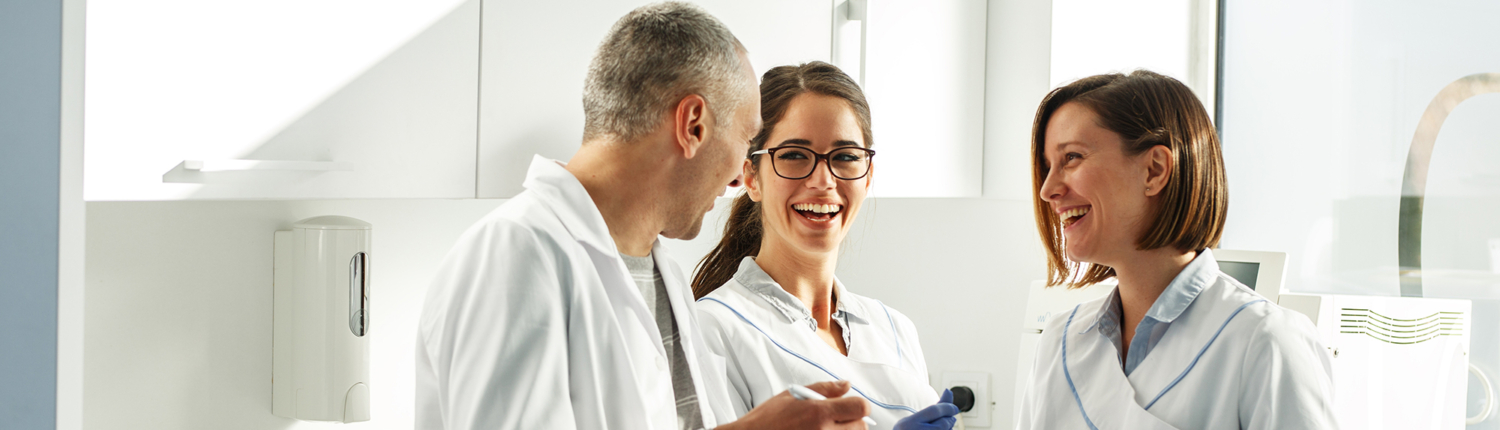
<point>809,361</point>
<point>1069,375</point>
<point>1200,353</point>
<point>900,363</point>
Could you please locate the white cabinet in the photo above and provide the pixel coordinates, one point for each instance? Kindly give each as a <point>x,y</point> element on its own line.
<point>339,98</point>
<point>536,54</point>
<point>451,98</point>
<point>924,75</point>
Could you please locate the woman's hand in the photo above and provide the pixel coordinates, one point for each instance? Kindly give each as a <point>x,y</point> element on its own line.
<point>936,417</point>
<point>785,412</point>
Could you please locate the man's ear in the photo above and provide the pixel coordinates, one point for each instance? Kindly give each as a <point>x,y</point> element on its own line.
<point>690,124</point>
<point>1159,167</point>
<point>752,182</point>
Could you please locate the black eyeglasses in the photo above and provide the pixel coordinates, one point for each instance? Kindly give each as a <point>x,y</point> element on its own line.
<point>795,162</point>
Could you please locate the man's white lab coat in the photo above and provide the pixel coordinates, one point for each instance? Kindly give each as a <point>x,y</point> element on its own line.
<point>533,322</point>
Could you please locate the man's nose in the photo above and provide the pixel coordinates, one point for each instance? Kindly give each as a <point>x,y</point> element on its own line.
<point>739,180</point>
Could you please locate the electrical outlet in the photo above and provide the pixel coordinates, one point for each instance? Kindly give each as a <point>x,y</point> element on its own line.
<point>979,416</point>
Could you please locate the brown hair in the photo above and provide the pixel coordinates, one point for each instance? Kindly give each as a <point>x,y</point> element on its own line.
<point>1146,109</point>
<point>778,87</point>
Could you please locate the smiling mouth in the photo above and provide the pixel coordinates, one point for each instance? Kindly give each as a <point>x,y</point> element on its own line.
<point>817,212</point>
<point>1071,216</point>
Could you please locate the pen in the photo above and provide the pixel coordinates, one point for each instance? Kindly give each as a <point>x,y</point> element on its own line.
<point>803,393</point>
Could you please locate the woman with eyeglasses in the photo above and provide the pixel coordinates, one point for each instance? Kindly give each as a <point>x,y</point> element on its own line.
<point>768,300</point>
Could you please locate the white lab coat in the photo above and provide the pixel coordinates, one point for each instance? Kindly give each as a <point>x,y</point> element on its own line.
<point>1231,360</point>
<point>533,322</point>
<point>770,342</point>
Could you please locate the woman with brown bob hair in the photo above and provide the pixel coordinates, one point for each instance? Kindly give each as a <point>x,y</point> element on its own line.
<point>768,300</point>
<point>1130,184</point>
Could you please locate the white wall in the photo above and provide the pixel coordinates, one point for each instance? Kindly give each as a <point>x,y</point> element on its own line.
<point>960,269</point>
<point>1090,37</point>
<point>179,297</point>
<point>179,308</point>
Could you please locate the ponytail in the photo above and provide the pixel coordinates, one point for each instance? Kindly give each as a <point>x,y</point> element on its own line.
<point>741,239</point>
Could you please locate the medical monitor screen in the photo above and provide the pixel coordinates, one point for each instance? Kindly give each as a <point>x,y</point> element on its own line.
<point>1241,271</point>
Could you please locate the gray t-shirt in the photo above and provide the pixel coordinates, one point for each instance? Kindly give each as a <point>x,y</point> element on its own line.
<point>648,278</point>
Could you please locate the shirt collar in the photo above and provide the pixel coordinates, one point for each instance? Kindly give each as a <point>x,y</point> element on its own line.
<point>1107,319</point>
<point>759,282</point>
<point>1174,300</point>
<point>556,186</point>
<point>1198,274</point>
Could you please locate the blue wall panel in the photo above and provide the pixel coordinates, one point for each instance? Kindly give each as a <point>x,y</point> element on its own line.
<point>30,145</point>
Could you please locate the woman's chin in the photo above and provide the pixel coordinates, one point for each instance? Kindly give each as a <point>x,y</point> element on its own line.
<point>818,243</point>
<point>1080,255</point>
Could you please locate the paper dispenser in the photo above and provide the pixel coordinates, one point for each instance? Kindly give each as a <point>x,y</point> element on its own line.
<point>321,320</point>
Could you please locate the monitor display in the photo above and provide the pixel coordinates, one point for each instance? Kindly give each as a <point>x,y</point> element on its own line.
<point>1241,271</point>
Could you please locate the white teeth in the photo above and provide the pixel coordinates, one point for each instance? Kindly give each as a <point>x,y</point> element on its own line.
<point>1071,215</point>
<point>817,208</point>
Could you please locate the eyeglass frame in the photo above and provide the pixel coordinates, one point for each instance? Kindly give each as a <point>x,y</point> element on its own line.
<point>824,157</point>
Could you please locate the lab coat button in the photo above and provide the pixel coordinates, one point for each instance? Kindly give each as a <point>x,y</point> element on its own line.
<point>661,363</point>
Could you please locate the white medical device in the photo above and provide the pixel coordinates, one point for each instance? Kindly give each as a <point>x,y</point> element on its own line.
<point>321,321</point>
<point>1262,271</point>
<point>1398,362</point>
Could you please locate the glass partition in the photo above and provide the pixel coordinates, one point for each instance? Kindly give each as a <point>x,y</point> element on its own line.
<point>1321,103</point>
<point>1323,107</point>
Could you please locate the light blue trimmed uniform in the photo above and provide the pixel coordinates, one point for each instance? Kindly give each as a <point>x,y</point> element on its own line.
<point>1210,354</point>
<point>769,341</point>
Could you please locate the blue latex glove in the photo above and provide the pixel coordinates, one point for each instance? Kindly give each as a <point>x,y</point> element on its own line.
<point>936,417</point>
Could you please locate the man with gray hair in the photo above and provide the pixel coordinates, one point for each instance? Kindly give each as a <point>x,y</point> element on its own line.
<point>560,309</point>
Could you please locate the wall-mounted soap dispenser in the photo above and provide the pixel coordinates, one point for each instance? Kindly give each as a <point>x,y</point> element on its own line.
<point>321,320</point>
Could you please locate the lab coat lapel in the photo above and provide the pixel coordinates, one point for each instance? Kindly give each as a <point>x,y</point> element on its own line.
<point>622,290</point>
<point>571,203</point>
<point>706,367</point>
<point>1092,362</point>
<point>677,291</point>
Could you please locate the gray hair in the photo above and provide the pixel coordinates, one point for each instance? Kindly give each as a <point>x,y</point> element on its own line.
<point>652,58</point>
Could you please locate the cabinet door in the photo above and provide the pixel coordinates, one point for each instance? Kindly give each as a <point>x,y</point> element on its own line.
<point>925,78</point>
<point>536,54</point>
<point>334,98</point>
